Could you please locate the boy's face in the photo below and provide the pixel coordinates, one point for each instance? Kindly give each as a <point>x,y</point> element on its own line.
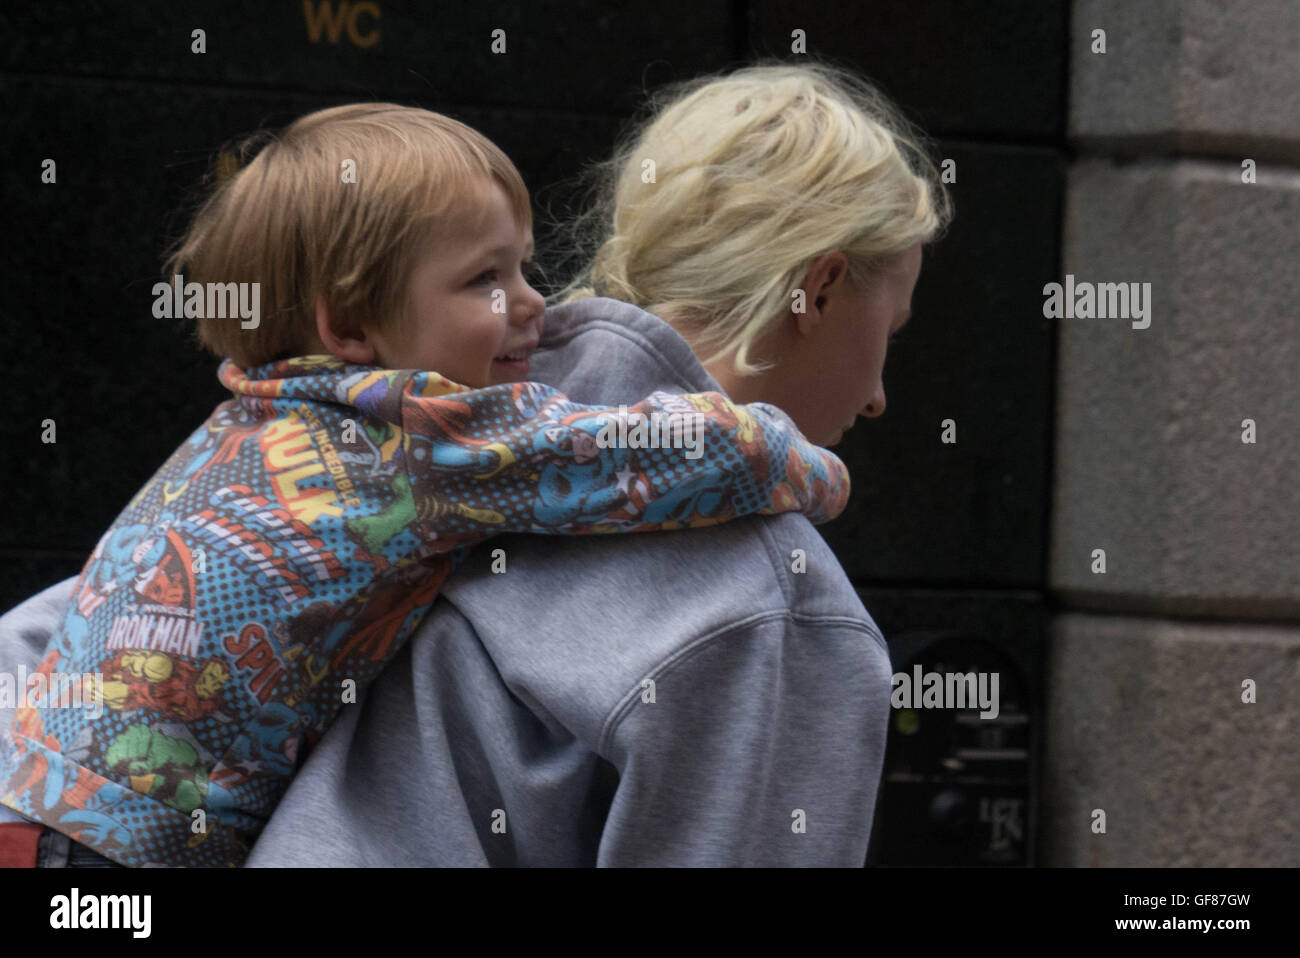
<point>475,318</point>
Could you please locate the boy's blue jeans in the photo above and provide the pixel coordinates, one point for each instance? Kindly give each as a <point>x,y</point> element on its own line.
<point>56,850</point>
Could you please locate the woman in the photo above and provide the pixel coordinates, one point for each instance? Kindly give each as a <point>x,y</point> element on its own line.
<point>715,697</point>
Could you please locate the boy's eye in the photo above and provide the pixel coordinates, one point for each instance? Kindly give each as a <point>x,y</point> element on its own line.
<point>529,268</point>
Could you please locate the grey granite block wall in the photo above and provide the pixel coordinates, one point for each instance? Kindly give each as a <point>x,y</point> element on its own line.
<point>1171,687</point>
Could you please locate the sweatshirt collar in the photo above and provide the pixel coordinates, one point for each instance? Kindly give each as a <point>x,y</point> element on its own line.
<point>602,350</point>
<point>269,379</point>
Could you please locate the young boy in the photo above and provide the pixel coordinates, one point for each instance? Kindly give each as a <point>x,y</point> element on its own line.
<point>284,553</point>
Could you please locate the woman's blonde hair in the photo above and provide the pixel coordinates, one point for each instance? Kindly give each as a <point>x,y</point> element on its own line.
<point>755,174</point>
<point>291,221</point>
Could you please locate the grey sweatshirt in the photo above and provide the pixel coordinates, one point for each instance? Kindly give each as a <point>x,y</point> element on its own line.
<point>667,698</point>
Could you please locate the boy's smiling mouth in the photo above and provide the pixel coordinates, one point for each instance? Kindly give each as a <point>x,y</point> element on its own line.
<point>517,359</point>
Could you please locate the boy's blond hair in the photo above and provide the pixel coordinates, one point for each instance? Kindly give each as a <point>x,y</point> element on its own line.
<point>288,221</point>
<point>756,174</point>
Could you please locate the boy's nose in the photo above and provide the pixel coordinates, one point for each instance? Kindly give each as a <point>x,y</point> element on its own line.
<point>531,306</point>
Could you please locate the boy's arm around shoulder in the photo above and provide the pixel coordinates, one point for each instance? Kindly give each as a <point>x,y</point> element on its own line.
<point>759,744</point>
<point>577,464</point>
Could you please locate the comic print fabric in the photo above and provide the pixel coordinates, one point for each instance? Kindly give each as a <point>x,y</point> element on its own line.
<point>273,565</point>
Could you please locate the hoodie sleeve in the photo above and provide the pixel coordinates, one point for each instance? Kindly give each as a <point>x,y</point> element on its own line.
<point>761,746</point>
<point>522,457</point>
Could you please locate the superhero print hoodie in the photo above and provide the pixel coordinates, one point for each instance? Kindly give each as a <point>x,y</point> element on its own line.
<point>274,564</point>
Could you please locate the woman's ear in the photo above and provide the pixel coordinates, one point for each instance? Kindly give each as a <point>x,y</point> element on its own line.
<point>351,345</point>
<point>825,276</point>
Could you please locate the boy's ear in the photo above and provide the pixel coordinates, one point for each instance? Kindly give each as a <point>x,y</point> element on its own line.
<point>350,345</point>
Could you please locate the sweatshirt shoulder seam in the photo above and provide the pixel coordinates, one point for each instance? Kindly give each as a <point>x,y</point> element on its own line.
<point>622,708</point>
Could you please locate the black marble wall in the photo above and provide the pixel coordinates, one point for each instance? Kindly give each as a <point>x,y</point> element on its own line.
<point>114,94</point>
